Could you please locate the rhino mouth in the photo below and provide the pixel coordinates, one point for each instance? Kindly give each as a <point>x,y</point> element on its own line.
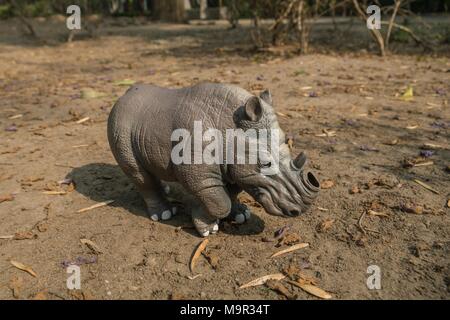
<point>288,201</point>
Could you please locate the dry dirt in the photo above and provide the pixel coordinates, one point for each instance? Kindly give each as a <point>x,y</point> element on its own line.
<point>343,109</point>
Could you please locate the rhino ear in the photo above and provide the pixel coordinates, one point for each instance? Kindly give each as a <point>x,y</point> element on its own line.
<point>266,96</point>
<point>253,109</point>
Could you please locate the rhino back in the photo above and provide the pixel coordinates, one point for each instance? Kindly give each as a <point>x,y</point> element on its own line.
<point>142,121</point>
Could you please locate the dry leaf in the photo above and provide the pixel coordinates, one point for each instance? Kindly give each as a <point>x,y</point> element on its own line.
<point>91,245</point>
<point>42,227</point>
<point>213,258</point>
<point>290,249</point>
<point>262,280</point>
<point>423,164</point>
<point>325,225</point>
<point>42,295</point>
<point>289,239</point>
<point>194,277</point>
<point>327,184</point>
<point>354,190</point>
<point>55,193</point>
<point>311,289</point>
<point>6,197</point>
<point>30,180</point>
<point>412,209</point>
<point>392,142</point>
<point>89,93</point>
<point>378,214</point>
<point>294,273</point>
<point>408,95</point>
<point>15,284</point>
<point>197,253</point>
<point>25,235</point>
<point>290,141</point>
<point>432,146</point>
<point>17,116</point>
<point>278,287</point>
<point>327,133</point>
<point>23,267</point>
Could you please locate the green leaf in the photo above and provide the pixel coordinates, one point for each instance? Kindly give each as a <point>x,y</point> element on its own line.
<point>125,82</point>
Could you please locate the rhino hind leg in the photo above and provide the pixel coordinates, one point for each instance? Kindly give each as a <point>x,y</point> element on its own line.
<point>150,189</point>
<point>158,207</point>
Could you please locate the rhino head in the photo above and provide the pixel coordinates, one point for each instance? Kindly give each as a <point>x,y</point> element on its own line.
<point>289,191</point>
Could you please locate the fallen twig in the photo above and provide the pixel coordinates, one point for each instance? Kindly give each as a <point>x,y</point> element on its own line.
<point>95,206</point>
<point>423,184</point>
<point>83,120</point>
<point>364,230</point>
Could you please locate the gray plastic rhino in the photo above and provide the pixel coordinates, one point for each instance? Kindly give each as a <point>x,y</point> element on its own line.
<point>140,129</point>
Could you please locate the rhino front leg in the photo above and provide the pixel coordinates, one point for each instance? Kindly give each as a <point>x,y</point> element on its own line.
<point>204,223</point>
<point>240,213</point>
<point>215,205</point>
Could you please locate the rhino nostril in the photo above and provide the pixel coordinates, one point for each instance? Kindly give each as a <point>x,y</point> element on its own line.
<point>313,180</point>
<point>294,213</point>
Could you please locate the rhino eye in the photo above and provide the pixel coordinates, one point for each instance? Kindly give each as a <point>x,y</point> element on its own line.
<point>266,164</point>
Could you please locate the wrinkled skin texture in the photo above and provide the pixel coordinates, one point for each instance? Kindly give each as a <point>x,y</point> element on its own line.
<point>139,131</point>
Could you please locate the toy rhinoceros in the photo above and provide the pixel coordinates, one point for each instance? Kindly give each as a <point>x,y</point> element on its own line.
<point>140,129</point>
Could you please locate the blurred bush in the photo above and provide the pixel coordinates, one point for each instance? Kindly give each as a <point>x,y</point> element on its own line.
<point>243,8</point>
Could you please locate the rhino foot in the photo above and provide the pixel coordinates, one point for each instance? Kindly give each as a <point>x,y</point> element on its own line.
<point>240,213</point>
<point>206,229</point>
<point>203,222</point>
<point>163,214</point>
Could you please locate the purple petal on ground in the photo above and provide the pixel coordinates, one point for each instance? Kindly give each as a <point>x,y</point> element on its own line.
<point>11,128</point>
<point>350,122</point>
<point>313,94</point>
<point>440,125</point>
<point>426,153</point>
<point>440,91</point>
<point>79,261</point>
<point>282,231</point>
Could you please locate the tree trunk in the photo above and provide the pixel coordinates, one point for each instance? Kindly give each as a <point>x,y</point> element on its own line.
<point>169,10</point>
<point>203,7</point>
<point>376,34</point>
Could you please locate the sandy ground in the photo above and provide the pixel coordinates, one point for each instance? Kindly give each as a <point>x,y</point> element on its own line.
<point>366,144</point>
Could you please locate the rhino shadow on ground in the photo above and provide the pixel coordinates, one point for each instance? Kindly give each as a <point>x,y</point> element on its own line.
<point>102,181</point>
